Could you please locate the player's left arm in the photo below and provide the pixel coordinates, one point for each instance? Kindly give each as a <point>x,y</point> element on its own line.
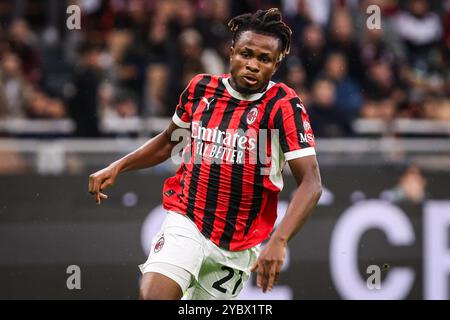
<point>307,175</point>
<point>297,142</point>
<point>306,196</point>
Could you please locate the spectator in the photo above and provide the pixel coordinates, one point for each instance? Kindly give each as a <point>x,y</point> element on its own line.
<point>312,51</point>
<point>190,59</point>
<point>420,30</point>
<point>126,106</point>
<point>299,20</point>
<point>320,11</point>
<point>296,78</point>
<point>131,69</point>
<point>116,103</point>
<point>13,87</point>
<point>348,92</point>
<point>384,37</point>
<point>83,103</point>
<point>411,188</point>
<point>381,83</point>
<point>342,38</point>
<point>23,42</point>
<point>183,18</point>
<point>123,105</point>
<point>326,119</point>
<point>373,48</point>
<point>157,90</point>
<point>384,109</point>
<point>214,25</point>
<point>157,41</point>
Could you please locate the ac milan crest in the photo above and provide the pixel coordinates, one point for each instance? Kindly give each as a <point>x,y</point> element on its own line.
<point>159,244</point>
<point>252,115</point>
<point>306,125</point>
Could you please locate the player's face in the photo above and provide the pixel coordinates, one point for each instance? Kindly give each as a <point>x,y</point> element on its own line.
<point>253,61</point>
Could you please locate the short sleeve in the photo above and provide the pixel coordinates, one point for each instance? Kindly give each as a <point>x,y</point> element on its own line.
<point>182,116</point>
<point>294,129</point>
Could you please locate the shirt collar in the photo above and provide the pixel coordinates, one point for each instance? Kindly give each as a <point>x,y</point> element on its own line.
<point>242,96</point>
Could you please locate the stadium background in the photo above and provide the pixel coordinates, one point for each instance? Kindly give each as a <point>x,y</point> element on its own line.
<point>72,101</point>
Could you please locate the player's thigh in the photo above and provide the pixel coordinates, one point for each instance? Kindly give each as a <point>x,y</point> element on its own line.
<point>223,273</point>
<point>176,253</point>
<point>218,282</point>
<point>157,286</point>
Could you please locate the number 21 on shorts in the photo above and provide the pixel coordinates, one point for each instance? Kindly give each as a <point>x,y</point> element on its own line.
<point>218,285</point>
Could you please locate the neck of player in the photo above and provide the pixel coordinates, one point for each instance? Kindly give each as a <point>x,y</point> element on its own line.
<point>246,91</point>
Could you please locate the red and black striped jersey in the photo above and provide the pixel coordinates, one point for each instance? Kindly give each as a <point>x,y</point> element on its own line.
<point>231,175</point>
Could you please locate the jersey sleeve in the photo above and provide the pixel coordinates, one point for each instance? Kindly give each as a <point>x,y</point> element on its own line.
<point>296,137</point>
<point>183,111</point>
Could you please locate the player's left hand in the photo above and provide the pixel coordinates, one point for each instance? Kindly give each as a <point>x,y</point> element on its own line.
<point>268,265</point>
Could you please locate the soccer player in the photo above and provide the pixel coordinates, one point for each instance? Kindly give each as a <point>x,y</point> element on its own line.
<point>222,203</point>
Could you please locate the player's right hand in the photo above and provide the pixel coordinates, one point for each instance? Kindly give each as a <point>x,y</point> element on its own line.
<point>101,180</point>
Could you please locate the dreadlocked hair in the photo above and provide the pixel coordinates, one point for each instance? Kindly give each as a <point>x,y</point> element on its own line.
<point>267,22</point>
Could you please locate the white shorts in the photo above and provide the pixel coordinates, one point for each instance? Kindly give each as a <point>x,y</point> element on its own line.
<point>202,269</point>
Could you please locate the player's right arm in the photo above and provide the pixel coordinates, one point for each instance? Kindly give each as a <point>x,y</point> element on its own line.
<point>153,152</point>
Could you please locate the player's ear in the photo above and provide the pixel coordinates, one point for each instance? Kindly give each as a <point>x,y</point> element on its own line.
<point>231,53</point>
<point>277,65</point>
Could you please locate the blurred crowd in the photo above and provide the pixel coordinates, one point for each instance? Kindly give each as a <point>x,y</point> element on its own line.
<point>132,58</point>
